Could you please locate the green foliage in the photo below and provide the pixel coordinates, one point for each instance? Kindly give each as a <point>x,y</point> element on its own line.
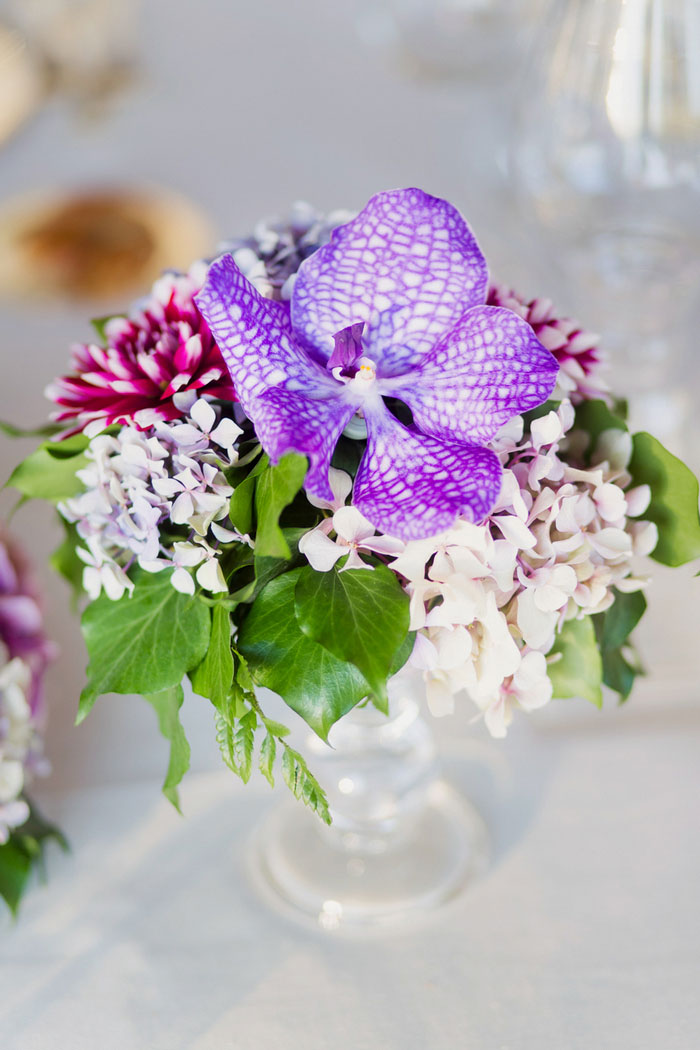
<point>310,679</point>
<point>674,500</point>
<point>578,671</point>
<point>595,417</point>
<point>237,724</point>
<point>49,472</point>
<point>213,676</point>
<point>275,489</point>
<point>24,852</point>
<point>66,562</point>
<point>166,705</point>
<point>143,643</point>
<point>360,616</point>
<point>46,430</point>
<point>100,325</point>
<point>613,628</point>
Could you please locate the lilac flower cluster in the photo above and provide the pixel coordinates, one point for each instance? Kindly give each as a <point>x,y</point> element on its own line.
<point>24,654</point>
<point>141,485</point>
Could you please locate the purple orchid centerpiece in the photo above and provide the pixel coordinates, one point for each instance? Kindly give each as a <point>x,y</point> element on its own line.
<point>393,307</point>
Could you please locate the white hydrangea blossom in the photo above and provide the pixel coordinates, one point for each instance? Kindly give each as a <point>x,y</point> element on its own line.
<point>137,481</point>
<point>488,600</point>
<point>20,745</point>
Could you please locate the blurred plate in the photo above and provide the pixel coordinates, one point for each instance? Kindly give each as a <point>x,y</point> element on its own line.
<point>96,244</point>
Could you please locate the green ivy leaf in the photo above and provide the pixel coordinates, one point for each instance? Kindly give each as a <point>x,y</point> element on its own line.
<point>614,626</point>
<point>49,472</point>
<point>166,705</point>
<point>143,643</point>
<point>579,670</point>
<point>620,672</point>
<point>361,616</point>
<point>674,500</point>
<point>310,679</point>
<point>212,678</point>
<point>15,867</point>
<point>275,489</point>
<point>595,417</point>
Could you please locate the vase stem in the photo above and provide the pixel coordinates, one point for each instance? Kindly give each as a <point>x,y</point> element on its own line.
<point>401,842</point>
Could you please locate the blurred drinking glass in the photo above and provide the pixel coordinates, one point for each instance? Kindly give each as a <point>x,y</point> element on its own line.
<point>606,156</point>
<point>454,38</point>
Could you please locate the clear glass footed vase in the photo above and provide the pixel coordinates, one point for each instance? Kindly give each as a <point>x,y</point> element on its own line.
<point>401,844</point>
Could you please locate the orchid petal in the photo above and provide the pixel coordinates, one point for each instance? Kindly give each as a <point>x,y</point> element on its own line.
<point>286,421</point>
<point>405,248</point>
<point>255,337</point>
<point>411,486</point>
<point>487,369</point>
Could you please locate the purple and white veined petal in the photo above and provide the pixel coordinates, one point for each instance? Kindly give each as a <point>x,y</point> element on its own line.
<point>411,486</point>
<point>255,337</point>
<point>489,368</point>
<point>287,421</point>
<point>405,248</point>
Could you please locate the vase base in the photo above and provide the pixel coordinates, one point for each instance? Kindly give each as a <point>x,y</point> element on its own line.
<point>323,878</point>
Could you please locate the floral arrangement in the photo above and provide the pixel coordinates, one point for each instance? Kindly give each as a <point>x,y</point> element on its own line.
<point>338,461</point>
<point>24,654</point>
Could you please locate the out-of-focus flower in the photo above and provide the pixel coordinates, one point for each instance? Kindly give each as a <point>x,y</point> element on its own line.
<point>163,348</point>
<point>24,653</point>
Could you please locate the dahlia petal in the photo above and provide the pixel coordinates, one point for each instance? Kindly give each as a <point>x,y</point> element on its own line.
<point>255,337</point>
<point>405,248</point>
<point>286,421</point>
<point>411,486</point>
<point>487,369</point>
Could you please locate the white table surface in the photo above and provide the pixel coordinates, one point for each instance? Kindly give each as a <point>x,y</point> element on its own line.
<point>585,932</point>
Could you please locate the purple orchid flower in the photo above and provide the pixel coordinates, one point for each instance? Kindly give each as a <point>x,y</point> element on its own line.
<point>392,307</point>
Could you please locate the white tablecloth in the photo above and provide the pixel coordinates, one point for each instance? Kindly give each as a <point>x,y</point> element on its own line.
<point>584,933</point>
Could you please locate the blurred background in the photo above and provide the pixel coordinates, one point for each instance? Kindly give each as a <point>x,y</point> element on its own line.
<point>138,135</point>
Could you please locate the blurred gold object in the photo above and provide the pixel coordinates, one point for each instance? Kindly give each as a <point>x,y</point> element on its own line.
<point>89,48</point>
<point>21,82</point>
<point>96,244</point>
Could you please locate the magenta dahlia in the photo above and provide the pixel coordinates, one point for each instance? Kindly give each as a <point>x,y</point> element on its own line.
<point>161,349</point>
<point>576,350</point>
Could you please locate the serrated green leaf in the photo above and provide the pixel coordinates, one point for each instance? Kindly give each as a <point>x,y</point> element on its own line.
<point>243,740</point>
<point>166,705</point>
<point>579,670</point>
<point>674,500</point>
<point>310,679</point>
<point>44,475</point>
<point>144,643</point>
<point>267,758</point>
<point>303,784</point>
<point>213,676</point>
<point>360,615</point>
<point>275,489</point>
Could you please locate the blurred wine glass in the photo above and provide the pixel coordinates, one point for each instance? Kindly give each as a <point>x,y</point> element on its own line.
<point>606,156</point>
<point>88,47</point>
<point>453,38</point>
